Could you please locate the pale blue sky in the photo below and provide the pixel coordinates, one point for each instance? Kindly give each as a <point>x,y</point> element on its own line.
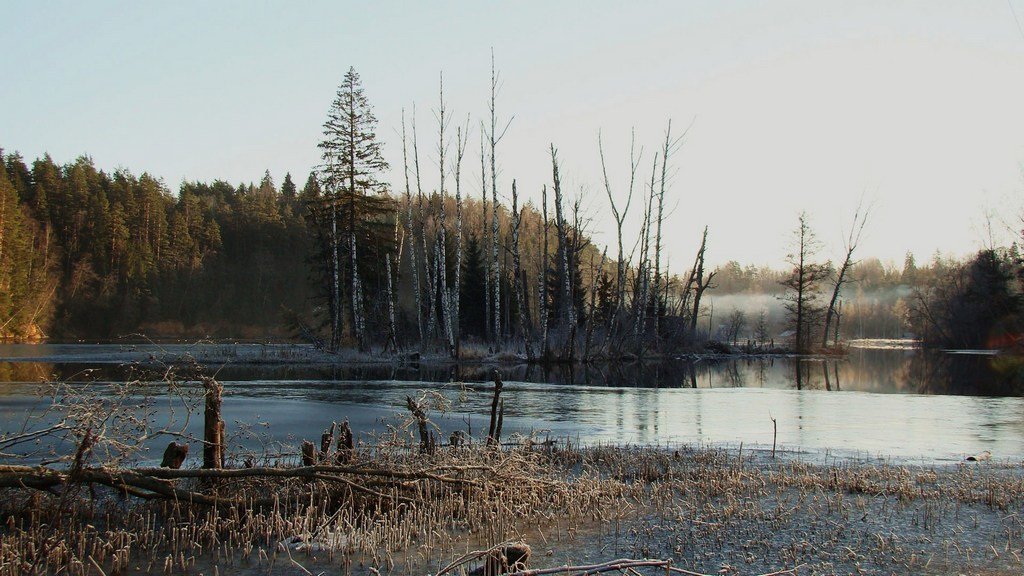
<point>795,105</point>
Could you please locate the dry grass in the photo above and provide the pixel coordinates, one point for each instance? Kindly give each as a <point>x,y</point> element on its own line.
<point>710,511</point>
<point>81,529</point>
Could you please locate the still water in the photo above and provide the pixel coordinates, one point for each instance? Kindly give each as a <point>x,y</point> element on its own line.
<point>889,403</point>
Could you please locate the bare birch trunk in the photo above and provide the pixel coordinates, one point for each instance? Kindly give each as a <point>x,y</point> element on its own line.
<point>517,270</point>
<point>644,271</point>
<point>336,324</point>
<point>666,153</point>
<point>483,235</point>
<point>442,250</point>
<point>568,312</point>
<point>392,330</point>
<point>594,275</point>
<point>412,236</point>
<point>496,265</point>
<point>427,269</point>
<point>543,303</point>
<point>461,138</point>
<point>358,321</point>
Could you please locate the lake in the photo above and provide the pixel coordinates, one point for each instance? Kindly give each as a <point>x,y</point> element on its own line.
<point>876,402</point>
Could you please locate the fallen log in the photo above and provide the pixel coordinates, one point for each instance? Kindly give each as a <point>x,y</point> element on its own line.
<point>155,483</point>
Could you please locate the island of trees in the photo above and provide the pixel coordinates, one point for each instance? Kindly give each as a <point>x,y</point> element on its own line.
<point>465,266</point>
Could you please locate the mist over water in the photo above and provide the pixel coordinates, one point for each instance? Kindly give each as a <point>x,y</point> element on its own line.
<point>898,403</point>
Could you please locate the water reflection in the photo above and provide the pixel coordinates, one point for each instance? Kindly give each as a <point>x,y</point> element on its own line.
<point>901,403</point>
<point>863,370</point>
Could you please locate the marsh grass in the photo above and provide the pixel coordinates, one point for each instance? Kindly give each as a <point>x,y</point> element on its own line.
<point>709,510</point>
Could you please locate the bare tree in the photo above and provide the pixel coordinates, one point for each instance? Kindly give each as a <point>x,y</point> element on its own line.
<point>620,216</point>
<point>429,276</point>
<point>518,277</point>
<point>413,249</point>
<point>735,322</point>
<point>592,320</point>
<point>461,139</point>
<point>641,291</point>
<point>392,337</point>
<point>567,314</point>
<point>698,280</point>
<point>850,244</point>
<point>484,233</point>
<point>667,150</point>
<point>442,249</point>
<point>494,138</point>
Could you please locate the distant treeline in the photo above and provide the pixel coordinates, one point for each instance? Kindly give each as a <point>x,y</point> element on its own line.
<point>89,254</point>
<point>449,259</point>
<point>945,302</point>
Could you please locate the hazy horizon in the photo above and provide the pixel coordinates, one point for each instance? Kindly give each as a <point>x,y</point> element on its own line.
<point>793,105</point>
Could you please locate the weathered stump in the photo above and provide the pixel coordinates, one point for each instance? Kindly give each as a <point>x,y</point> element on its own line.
<point>326,439</point>
<point>213,426</point>
<point>419,413</point>
<point>457,439</point>
<point>174,455</point>
<point>514,557</point>
<point>308,453</point>
<point>494,429</point>
<point>346,444</point>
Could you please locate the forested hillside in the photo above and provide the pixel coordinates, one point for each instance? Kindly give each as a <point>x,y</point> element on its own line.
<point>88,254</point>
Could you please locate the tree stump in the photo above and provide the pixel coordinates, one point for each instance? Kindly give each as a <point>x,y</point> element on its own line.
<point>308,453</point>
<point>326,439</point>
<point>346,444</point>
<point>174,455</point>
<point>494,430</point>
<point>213,426</point>
<point>419,413</point>
<point>511,558</point>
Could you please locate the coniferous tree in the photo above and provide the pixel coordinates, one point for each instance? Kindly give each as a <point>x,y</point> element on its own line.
<point>354,211</point>
<point>803,284</point>
<point>473,292</point>
<point>288,187</point>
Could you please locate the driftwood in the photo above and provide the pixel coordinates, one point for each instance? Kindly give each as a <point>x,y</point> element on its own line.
<point>511,558</point>
<point>158,483</point>
<point>626,566</point>
<point>499,559</point>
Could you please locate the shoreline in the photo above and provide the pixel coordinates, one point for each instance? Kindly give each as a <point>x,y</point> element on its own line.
<point>704,509</point>
<point>306,354</point>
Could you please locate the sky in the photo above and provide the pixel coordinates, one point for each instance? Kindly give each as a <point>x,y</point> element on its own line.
<point>915,107</point>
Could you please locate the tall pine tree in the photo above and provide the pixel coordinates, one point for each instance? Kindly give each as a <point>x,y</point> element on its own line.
<point>354,211</point>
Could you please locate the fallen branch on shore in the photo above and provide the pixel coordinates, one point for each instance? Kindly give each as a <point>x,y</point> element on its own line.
<point>153,483</point>
<point>626,566</point>
<point>510,559</point>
